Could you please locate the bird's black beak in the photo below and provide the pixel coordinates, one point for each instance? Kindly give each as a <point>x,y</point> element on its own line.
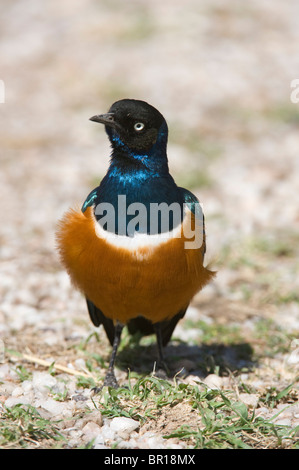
<point>107,119</point>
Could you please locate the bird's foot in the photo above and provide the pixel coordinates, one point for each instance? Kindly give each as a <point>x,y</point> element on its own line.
<point>109,381</point>
<point>161,370</point>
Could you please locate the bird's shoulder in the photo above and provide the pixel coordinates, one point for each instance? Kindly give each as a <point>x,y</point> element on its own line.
<point>90,200</point>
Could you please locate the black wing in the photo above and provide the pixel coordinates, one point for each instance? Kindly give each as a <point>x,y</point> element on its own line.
<point>98,318</point>
<point>144,326</point>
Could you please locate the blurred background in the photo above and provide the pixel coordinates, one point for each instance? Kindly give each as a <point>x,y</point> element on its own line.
<point>220,73</point>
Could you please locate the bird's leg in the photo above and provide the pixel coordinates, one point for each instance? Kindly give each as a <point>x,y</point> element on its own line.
<point>161,365</point>
<point>110,379</point>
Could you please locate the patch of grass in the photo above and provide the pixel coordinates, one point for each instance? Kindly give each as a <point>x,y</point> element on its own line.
<point>85,382</point>
<point>215,332</point>
<point>273,336</point>
<point>291,296</point>
<point>23,373</point>
<point>273,397</point>
<point>136,400</point>
<point>233,428</point>
<point>140,400</point>
<point>257,251</point>
<point>220,420</point>
<point>279,246</point>
<point>92,358</point>
<point>22,425</point>
<point>287,113</point>
<point>59,396</point>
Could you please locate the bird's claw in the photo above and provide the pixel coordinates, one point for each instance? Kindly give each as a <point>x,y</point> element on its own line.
<point>161,370</point>
<point>109,381</point>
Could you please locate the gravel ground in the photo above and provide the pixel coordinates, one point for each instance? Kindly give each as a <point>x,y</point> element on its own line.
<point>221,75</point>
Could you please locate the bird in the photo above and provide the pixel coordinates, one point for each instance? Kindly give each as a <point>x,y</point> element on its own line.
<point>135,270</point>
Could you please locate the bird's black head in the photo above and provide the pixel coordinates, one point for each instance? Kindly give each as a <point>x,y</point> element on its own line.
<point>134,126</point>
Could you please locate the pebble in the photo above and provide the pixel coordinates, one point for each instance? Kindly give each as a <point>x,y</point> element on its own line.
<point>12,401</point>
<point>123,426</point>
<point>193,380</point>
<point>293,358</point>
<point>54,407</point>
<point>4,371</point>
<point>42,381</point>
<point>94,417</point>
<point>27,386</point>
<point>91,431</point>
<point>213,381</point>
<point>249,399</point>
<point>107,434</point>
<point>17,392</point>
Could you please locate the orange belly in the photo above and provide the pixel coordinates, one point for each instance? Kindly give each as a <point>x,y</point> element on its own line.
<point>155,282</point>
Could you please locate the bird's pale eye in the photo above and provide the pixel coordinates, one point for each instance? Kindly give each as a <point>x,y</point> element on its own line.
<point>138,126</point>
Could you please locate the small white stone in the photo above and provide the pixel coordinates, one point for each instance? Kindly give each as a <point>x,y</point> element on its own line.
<point>27,385</point>
<point>155,442</point>
<point>107,433</point>
<point>4,370</point>
<point>43,381</point>
<point>95,417</point>
<point>262,411</point>
<point>123,426</point>
<point>67,413</point>
<point>17,392</point>
<point>194,380</point>
<point>75,433</point>
<point>12,401</point>
<point>90,431</point>
<point>99,442</point>
<point>249,399</point>
<point>244,377</point>
<point>258,384</point>
<point>54,407</point>
<point>131,444</point>
<point>213,381</point>
<point>293,358</point>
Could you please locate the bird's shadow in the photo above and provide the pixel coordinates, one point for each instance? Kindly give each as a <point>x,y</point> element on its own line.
<point>185,359</point>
